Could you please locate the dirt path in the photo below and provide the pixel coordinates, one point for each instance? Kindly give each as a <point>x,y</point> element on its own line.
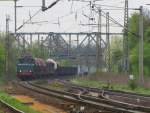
<point>44,108</point>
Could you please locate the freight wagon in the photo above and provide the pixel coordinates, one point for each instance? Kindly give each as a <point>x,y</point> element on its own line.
<point>66,70</point>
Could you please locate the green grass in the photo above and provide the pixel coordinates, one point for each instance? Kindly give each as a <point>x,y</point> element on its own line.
<point>41,82</point>
<point>1,111</point>
<point>12,101</point>
<point>99,84</point>
<point>56,85</point>
<point>2,80</point>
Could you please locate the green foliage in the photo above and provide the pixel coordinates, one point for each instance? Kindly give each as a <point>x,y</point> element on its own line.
<point>12,56</point>
<point>147,34</point>
<point>2,58</point>
<point>36,50</point>
<point>56,85</point>
<point>133,41</point>
<point>132,84</point>
<point>99,84</point>
<point>64,62</point>
<point>98,71</point>
<point>134,28</point>
<point>134,44</point>
<point>116,53</point>
<point>134,61</point>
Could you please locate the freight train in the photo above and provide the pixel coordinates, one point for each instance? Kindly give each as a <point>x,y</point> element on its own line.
<point>29,67</point>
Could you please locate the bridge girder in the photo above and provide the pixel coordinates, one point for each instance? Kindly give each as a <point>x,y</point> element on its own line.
<point>66,45</point>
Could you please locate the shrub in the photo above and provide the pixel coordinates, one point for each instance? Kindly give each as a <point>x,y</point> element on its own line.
<point>132,84</point>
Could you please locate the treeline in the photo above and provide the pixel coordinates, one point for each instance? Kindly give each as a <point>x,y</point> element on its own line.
<point>2,55</point>
<point>8,56</point>
<point>133,43</point>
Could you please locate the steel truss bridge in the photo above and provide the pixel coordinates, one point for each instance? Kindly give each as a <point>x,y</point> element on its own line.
<point>80,48</point>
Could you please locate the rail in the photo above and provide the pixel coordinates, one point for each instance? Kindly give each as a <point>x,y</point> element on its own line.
<point>140,101</point>
<point>10,107</point>
<point>104,104</point>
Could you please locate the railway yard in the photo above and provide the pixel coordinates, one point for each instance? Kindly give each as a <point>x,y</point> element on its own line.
<point>75,56</point>
<point>62,96</point>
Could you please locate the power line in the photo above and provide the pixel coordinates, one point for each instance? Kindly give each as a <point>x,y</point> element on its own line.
<point>29,19</point>
<point>19,6</point>
<point>116,22</point>
<point>61,17</point>
<point>115,7</point>
<point>109,6</point>
<point>96,25</point>
<point>69,14</point>
<point>44,8</point>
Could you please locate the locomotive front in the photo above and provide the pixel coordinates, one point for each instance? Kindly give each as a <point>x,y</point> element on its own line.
<point>25,67</point>
<point>29,67</point>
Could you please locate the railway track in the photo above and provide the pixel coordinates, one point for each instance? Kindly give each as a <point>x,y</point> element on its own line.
<point>9,107</point>
<point>126,97</point>
<point>99,103</point>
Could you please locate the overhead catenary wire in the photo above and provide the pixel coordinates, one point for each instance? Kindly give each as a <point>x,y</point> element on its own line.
<point>61,17</point>
<point>21,6</point>
<point>106,9</point>
<point>114,7</point>
<point>50,6</point>
<point>109,6</point>
<point>117,8</point>
<point>29,19</point>
<point>64,16</point>
<point>96,25</point>
<point>116,22</point>
<point>69,14</point>
<point>113,20</point>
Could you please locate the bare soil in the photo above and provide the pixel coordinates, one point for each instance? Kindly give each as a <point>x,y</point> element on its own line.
<point>38,106</point>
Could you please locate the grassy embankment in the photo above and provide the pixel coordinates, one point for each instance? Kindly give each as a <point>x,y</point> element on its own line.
<point>131,86</point>
<point>15,103</point>
<point>98,84</point>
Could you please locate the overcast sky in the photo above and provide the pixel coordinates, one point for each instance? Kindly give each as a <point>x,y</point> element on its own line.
<point>70,15</point>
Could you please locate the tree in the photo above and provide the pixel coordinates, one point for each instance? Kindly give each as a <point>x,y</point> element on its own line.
<point>116,53</point>
<point>133,44</point>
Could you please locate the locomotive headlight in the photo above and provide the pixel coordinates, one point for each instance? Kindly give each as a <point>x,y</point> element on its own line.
<point>30,71</point>
<point>20,70</point>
